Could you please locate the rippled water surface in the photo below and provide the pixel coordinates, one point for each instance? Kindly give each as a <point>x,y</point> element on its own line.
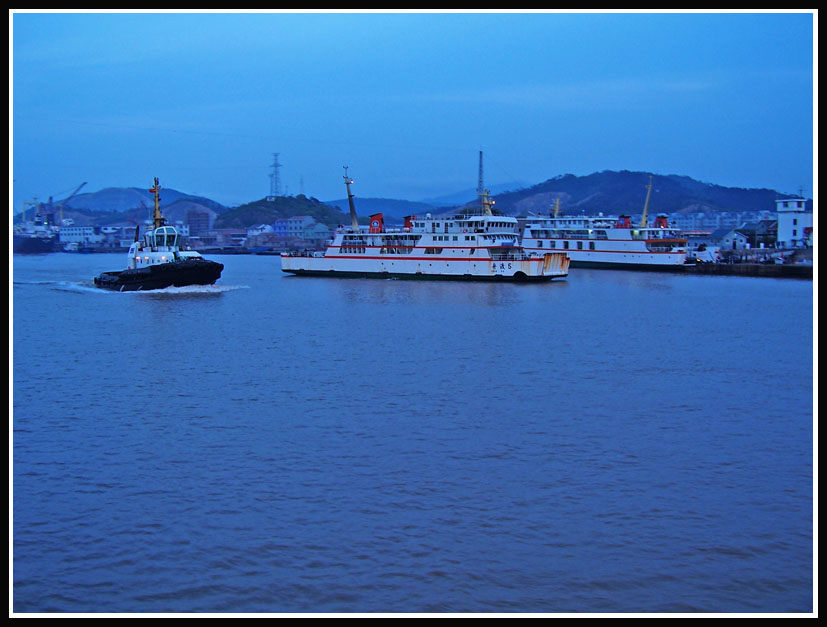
<point>615,442</point>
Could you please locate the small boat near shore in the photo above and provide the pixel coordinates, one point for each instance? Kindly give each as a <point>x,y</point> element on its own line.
<point>157,261</point>
<point>472,245</point>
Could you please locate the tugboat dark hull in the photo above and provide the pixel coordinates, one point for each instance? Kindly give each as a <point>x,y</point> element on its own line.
<point>162,275</point>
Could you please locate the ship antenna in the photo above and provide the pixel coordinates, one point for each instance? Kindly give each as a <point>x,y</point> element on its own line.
<point>480,186</point>
<point>354,222</point>
<point>157,218</point>
<point>644,220</point>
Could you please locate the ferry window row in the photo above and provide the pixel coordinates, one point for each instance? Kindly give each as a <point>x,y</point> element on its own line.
<point>566,245</point>
<point>570,234</point>
<point>435,225</point>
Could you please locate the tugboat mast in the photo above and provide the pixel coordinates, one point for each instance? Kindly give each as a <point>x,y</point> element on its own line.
<point>157,219</point>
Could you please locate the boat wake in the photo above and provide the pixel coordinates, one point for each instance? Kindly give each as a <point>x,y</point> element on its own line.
<point>186,290</point>
<point>89,287</point>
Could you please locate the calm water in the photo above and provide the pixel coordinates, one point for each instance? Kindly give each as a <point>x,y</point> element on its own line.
<point>615,442</point>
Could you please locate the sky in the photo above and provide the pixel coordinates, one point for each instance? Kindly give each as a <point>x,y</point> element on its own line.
<point>406,100</point>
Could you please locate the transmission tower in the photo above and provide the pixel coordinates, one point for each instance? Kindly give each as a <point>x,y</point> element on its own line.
<point>275,182</point>
<point>480,184</point>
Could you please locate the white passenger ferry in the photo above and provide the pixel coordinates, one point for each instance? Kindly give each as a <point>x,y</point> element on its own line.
<point>602,242</point>
<point>472,246</point>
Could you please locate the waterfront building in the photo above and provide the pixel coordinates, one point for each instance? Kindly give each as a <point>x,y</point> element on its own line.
<point>85,236</point>
<point>200,219</point>
<point>730,239</point>
<point>760,234</point>
<point>259,229</point>
<point>795,223</point>
<point>280,228</point>
<point>318,234</point>
<point>298,225</point>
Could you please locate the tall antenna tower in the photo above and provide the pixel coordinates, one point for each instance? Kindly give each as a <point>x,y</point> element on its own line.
<point>480,187</point>
<point>275,182</point>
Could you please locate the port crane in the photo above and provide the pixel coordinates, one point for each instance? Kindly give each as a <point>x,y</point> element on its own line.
<point>67,199</point>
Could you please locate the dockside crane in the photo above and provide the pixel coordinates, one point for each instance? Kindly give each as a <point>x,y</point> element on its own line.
<point>69,197</point>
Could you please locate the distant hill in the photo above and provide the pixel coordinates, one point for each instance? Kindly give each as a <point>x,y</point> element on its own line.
<point>117,205</point>
<point>267,211</point>
<point>123,199</point>
<point>609,192</point>
<point>395,210</point>
<point>614,193</point>
<point>467,196</point>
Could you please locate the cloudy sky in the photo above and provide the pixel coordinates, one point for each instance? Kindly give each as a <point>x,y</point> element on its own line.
<point>406,100</point>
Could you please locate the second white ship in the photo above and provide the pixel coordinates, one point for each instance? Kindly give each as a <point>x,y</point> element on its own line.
<point>473,245</point>
<point>602,242</point>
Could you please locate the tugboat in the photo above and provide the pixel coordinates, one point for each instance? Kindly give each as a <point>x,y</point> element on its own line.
<point>157,261</point>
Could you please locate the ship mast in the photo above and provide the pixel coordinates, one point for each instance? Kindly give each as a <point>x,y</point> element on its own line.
<point>486,202</point>
<point>354,222</point>
<point>157,219</point>
<point>644,220</point>
<point>483,193</point>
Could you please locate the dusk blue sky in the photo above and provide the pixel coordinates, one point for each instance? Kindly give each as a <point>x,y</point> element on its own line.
<point>406,100</point>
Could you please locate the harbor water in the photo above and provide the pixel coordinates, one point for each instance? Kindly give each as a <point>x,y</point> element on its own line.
<point>614,442</point>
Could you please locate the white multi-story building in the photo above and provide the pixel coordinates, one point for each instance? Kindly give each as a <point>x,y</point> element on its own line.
<point>795,223</point>
<point>81,235</point>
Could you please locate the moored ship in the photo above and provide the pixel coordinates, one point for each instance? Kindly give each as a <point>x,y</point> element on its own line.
<point>603,242</point>
<point>35,237</point>
<point>472,245</point>
<point>157,262</point>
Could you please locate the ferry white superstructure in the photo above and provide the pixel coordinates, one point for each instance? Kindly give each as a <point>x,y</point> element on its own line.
<point>469,246</point>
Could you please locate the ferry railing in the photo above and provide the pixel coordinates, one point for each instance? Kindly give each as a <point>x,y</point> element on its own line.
<point>507,255</point>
